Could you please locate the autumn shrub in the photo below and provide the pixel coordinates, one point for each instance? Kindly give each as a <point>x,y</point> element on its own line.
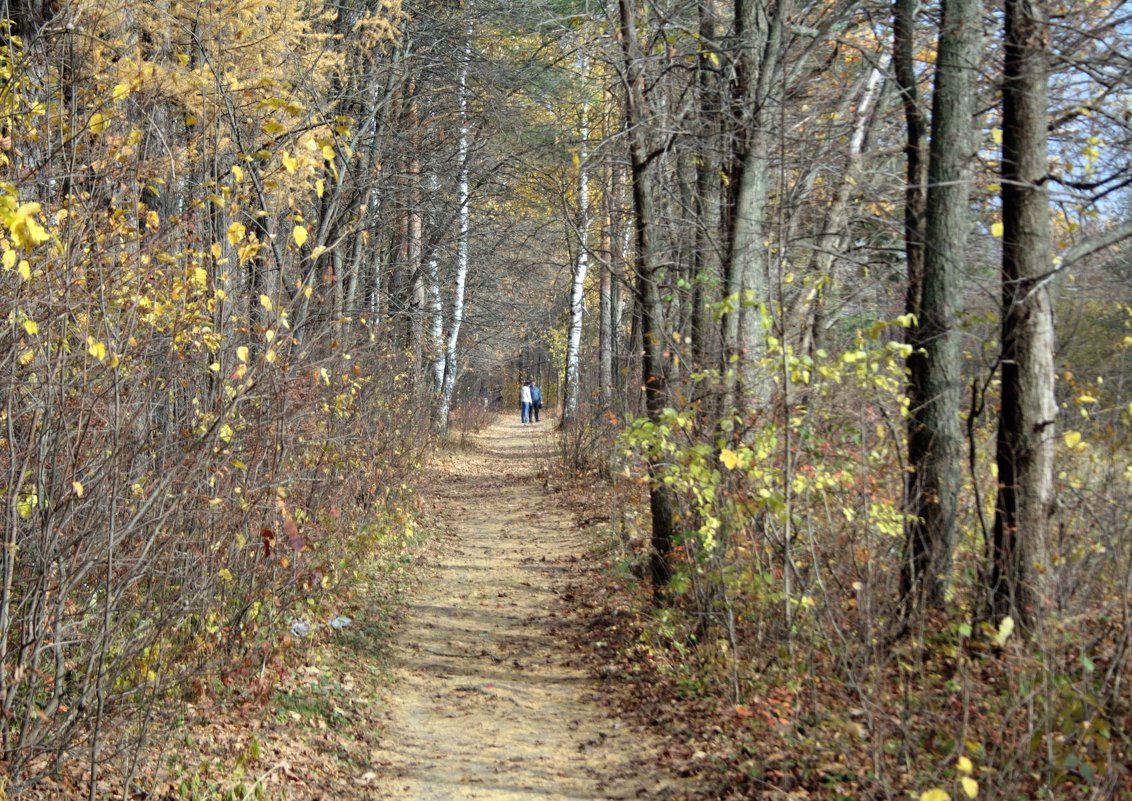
<point>470,417</point>
<point>586,441</point>
<point>201,444</point>
<point>784,601</point>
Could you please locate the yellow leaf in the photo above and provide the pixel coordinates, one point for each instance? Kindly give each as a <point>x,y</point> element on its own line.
<point>152,220</point>
<point>729,458</point>
<point>26,357</point>
<point>996,134</point>
<point>299,234</point>
<point>242,353</point>
<point>77,486</point>
<point>935,794</point>
<point>270,356</point>
<point>248,251</point>
<point>265,301</point>
<point>25,270</point>
<point>225,574</point>
<point>225,433</point>
<point>970,786</point>
<point>1005,629</point>
<point>215,250</point>
<point>237,172</point>
<point>25,229</point>
<point>996,229</point>
<point>290,163</point>
<point>190,120</point>
<point>31,327</point>
<point>964,765</point>
<point>319,187</point>
<point>97,123</point>
<point>10,259</point>
<point>236,233</point>
<point>328,152</point>
<point>120,91</point>
<point>26,505</point>
<point>200,277</point>
<point>96,349</point>
<point>1072,439</point>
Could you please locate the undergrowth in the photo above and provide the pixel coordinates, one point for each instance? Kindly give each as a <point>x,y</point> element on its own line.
<point>782,619</point>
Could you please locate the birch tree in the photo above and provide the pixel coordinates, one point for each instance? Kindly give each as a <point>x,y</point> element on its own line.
<point>463,199</point>
<point>581,261</point>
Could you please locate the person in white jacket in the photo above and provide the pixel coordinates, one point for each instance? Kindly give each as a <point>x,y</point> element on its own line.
<point>525,401</point>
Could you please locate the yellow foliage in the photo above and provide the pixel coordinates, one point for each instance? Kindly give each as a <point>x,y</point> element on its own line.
<point>236,233</point>
<point>96,349</point>
<point>24,229</point>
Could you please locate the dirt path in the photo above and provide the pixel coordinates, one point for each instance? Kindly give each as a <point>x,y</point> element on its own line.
<point>488,698</point>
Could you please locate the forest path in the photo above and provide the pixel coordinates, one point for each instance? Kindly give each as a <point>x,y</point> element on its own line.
<point>488,697</point>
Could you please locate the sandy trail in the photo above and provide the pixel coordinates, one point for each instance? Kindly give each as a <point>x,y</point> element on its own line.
<point>488,698</point>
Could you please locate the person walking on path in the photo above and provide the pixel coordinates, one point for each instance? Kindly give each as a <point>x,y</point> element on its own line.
<point>536,401</point>
<point>525,402</point>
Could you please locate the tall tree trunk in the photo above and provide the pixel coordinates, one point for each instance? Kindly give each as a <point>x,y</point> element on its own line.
<point>463,198</point>
<point>708,251</point>
<point>605,316</point>
<point>1021,575</point>
<point>436,344</point>
<point>935,441</point>
<point>582,262</point>
<point>648,295</point>
<point>758,27</point>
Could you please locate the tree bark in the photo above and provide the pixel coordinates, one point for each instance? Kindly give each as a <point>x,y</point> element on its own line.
<point>648,295</point>
<point>1021,570</point>
<point>605,315</point>
<point>463,198</point>
<point>708,250</point>
<point>758,26</point>
<point>582,262</point>
<point>935,444</point>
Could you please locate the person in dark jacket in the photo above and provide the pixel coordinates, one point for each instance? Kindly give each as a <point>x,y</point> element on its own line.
<point>536,401</point>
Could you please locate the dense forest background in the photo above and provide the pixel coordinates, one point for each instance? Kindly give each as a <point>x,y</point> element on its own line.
<point>838,290</point>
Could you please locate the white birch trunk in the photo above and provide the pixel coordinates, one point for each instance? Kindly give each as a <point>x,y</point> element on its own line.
<point>582,263</point>
<point>436,346</point>
<point>463,192</point>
